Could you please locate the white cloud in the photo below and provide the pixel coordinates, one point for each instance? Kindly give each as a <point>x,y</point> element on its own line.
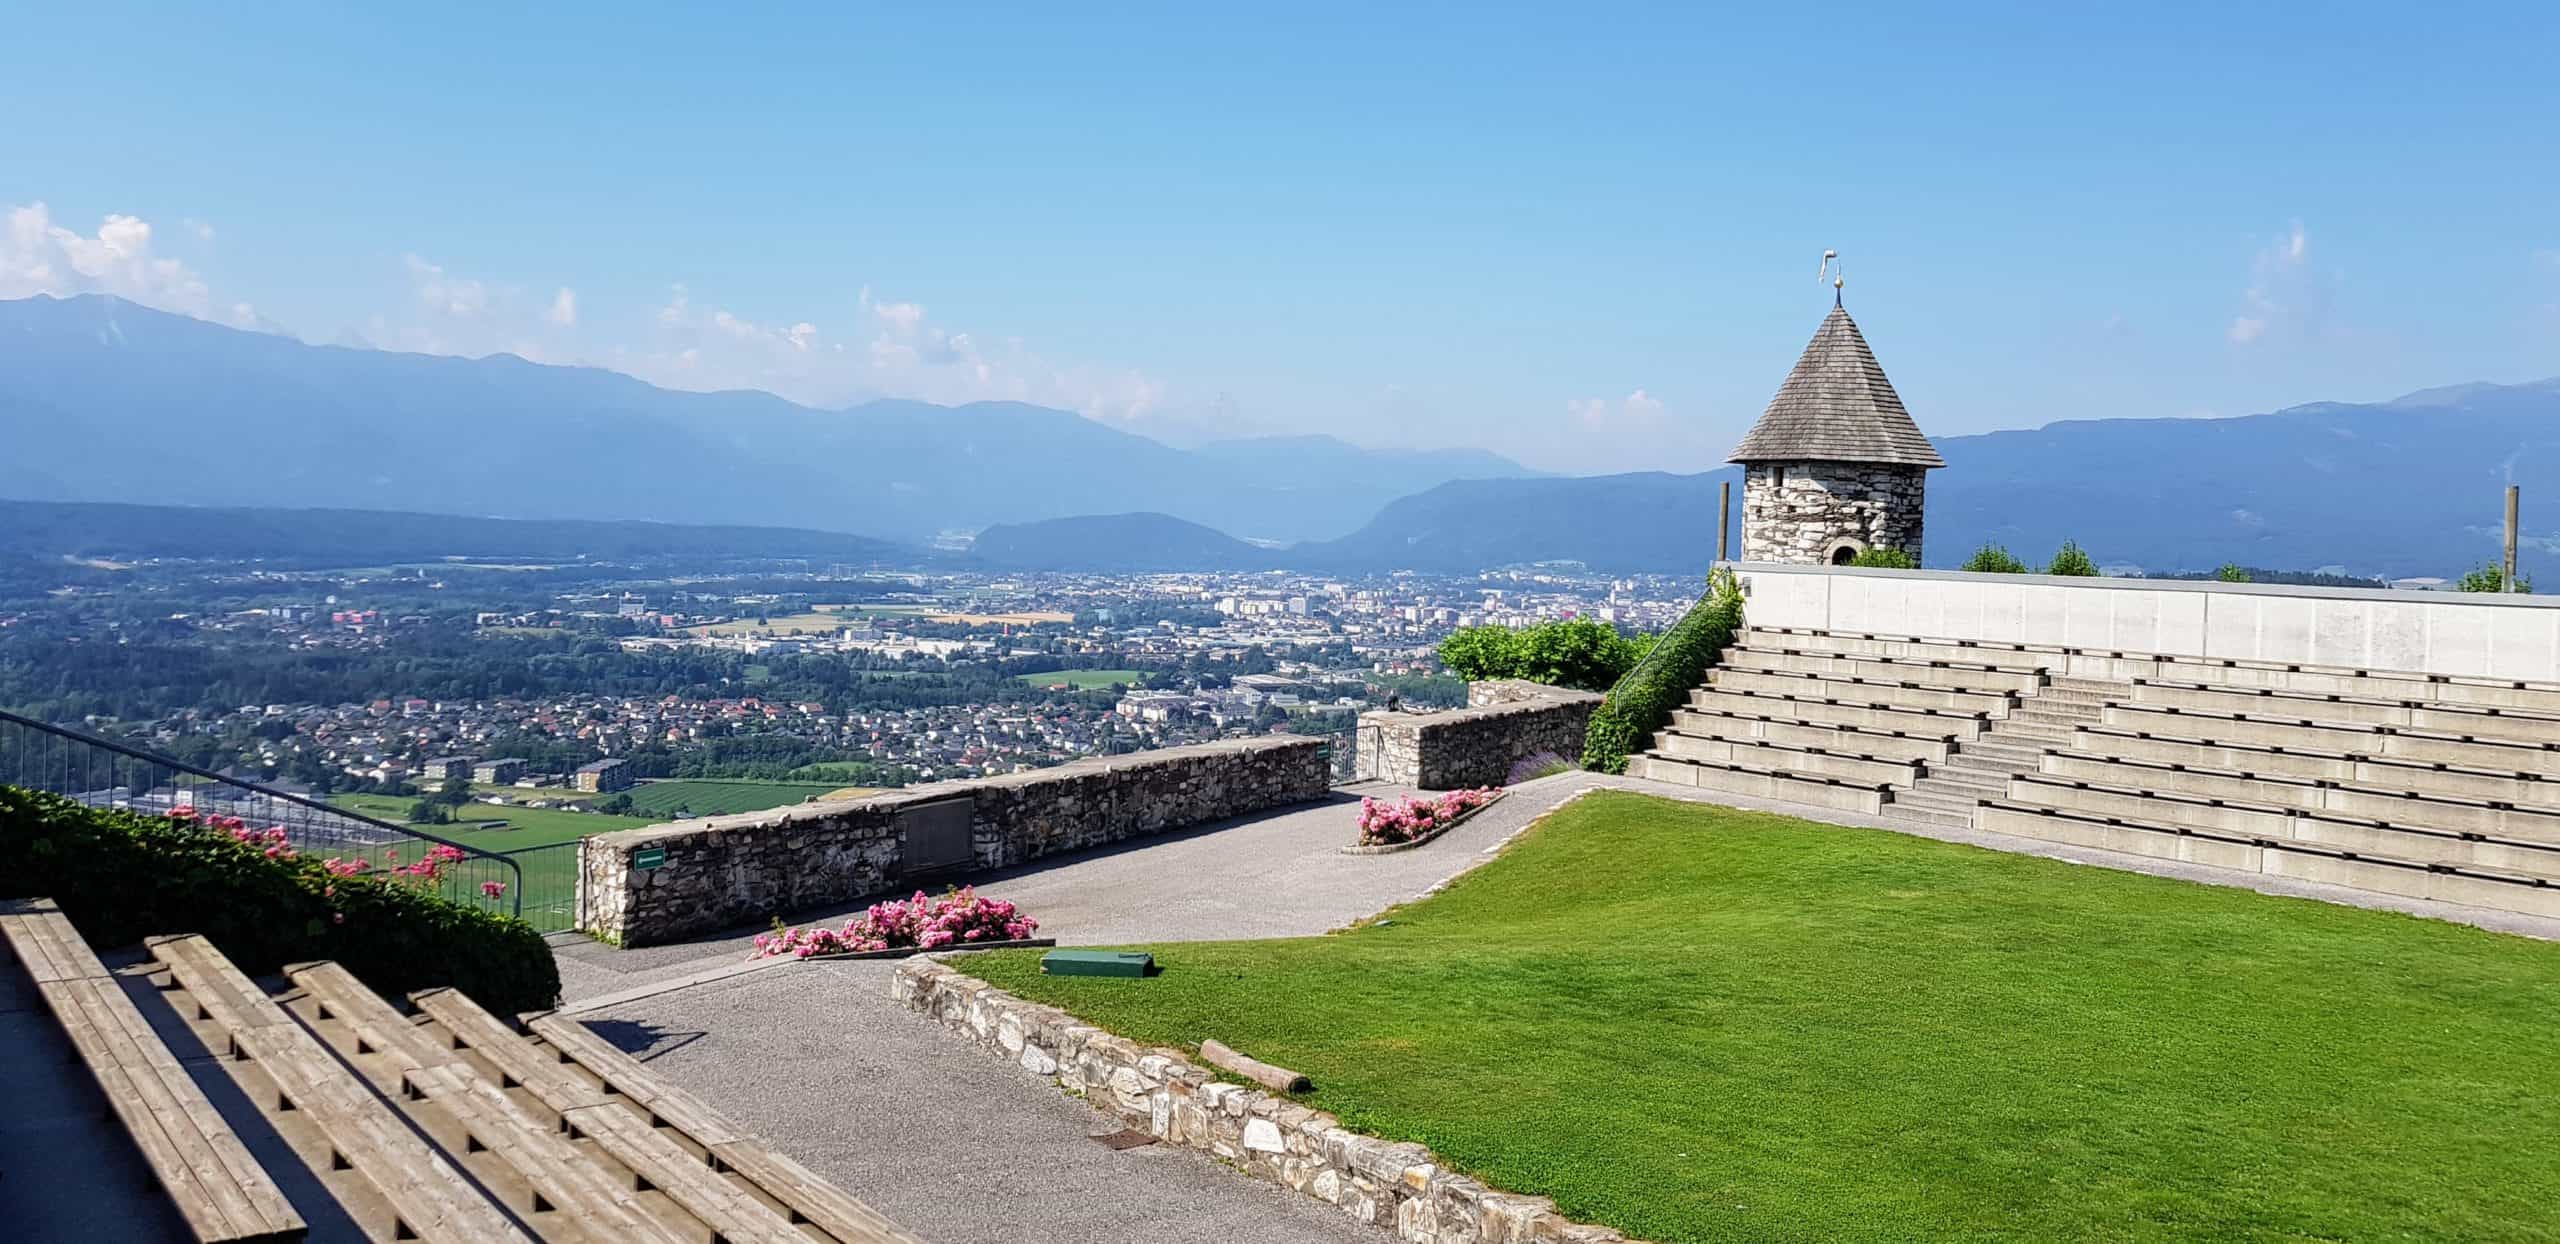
<point>2282,290</point>
<point>203,231</point>
<point>38,256</point>
<point>564,308</point>
<point>1636,407</point>
<point>446,294</point>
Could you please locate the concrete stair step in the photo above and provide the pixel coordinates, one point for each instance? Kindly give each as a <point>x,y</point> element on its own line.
<point>1941,801</point>
<point>1942,817</point>
<point>1964,779</point>
<point>1989,748</point>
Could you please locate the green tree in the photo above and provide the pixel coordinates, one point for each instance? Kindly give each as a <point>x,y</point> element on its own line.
<point>429,812</point>
<point>2232,572</point>
<point>1993,559</point>
<point>454,793</point>
<point>1885,558</point>
<point>2493,578</point>
<point>2072,560</point>
<point>1578,652</point>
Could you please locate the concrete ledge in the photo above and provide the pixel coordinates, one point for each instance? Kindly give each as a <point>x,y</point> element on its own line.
<point>1401,1187</point>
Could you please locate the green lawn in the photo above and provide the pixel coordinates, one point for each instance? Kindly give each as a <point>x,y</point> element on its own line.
<point>716,796</point>
<point>474,822</point>
<point>1082,680</point>
<point>1692,1023</point>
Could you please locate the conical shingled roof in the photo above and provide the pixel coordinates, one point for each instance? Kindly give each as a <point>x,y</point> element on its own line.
<point>1836,406</point>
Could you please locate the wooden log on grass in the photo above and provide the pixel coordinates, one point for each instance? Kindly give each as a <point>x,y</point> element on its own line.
<point>1277,1079</point>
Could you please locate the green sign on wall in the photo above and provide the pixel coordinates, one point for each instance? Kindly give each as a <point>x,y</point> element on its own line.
<point>648,858</point>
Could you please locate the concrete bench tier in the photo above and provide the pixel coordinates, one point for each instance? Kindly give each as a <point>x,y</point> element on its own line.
<point>2473,887</point>
<point>1961,676</point>
<point>1918,722</point>
<point>1794,761</point>
<point>220,1191</point>
<point>1858,691</point>
<point>1754,728</point>
<point>2384,776</point>
<point>2271,825</point>
<point>2497,725</point>
<point>2380,742</point>
<point>2440,815</point>
<point>525,1159</point>
<point>1904,647</point>
<point>1816,791</point>
<point>2094,662</point>
<point>343,1130</point>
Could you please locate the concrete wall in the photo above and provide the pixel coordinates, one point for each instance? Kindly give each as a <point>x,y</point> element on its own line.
<point>2515,637</point>
<point>723,872</point>
<point>1505,722</point>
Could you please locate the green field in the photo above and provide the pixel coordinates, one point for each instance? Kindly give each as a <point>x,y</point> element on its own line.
<point>472,827</point>
<point>1692,1023</point>
<point>676,797</point>
<point>1083,680</point>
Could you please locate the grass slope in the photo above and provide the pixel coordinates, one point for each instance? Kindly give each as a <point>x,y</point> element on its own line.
<point>1699,1024</point>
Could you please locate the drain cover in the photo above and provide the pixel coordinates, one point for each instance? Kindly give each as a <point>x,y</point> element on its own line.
<point>1129,1139</point>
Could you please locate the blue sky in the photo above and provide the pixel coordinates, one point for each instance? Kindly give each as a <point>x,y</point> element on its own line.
<point>1583,236</point>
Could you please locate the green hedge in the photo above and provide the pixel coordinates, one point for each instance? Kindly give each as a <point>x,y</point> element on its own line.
<point>122,877</point>
<point>1642,701</point>
<point>1581,653</point>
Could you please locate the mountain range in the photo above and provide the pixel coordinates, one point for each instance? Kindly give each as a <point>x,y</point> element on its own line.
<point>214,415</point>
<point>105,401</point>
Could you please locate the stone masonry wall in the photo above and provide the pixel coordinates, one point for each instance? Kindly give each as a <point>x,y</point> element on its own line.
<point>723,872</point>
<point>1823,504</point>
<point>1505,722</point>
<point>1399,1186</point>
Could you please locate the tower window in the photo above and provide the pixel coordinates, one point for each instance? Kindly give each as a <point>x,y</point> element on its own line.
<point>1777,477</point>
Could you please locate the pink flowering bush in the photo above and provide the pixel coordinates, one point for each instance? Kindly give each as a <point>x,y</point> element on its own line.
<point>957,918</point>
<point>1389,823</point>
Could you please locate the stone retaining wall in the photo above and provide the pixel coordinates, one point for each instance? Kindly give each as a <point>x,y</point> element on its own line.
<point>1399,1186</point>
<point>641,887</point>
<point>1504,723</point>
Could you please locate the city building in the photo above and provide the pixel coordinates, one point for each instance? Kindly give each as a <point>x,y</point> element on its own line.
<point>603,776</point>
<point>497,772</point>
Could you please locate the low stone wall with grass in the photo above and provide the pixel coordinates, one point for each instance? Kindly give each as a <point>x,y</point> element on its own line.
<point>1504,723</point>
<point>1396,1185</point>
<point>640,887</point>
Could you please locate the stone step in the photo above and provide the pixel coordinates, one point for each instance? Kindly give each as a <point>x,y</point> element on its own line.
<point>1941,817</point>
<point>1938,801</point>
<point>1964,779</point>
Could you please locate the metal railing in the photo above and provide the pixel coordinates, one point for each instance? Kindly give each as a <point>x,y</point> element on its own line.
<point>103,773</point>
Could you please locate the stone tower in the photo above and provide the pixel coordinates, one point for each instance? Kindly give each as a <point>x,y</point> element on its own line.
<point>1835,466</point>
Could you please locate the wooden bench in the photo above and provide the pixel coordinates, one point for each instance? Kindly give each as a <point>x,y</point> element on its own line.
<point>629,1135</point>
<point>218,1188</point>
<point>808,1197</point>
<point>402,1057</point>
<point>427,1196</point>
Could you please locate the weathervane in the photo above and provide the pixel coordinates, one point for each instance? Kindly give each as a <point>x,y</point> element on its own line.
<point>1837,271</point>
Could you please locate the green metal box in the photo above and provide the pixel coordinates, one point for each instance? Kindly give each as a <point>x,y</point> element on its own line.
<point>1098,963</point>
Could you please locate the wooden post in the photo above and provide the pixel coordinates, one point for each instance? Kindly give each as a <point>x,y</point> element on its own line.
<point>2510,584</point>
<point>1724,521</point>
<point>1277,1079</point>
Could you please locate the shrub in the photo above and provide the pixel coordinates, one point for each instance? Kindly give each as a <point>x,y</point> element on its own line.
<point>122,877</point>
<point>1579,652</point>
<point>2493,578</point>
<point>2232,572</point>
<point>1882,558</point>
<point>957,918</point>
<point>1993,559</point>
<point>1643,699</point>
<point>2071,560</point>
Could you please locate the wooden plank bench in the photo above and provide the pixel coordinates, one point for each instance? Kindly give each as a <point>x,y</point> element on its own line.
<point>561,1177</point>
<point>628,1133</point>
<point>808,1197</point>
<point>218,1188</point>
<point>428,1197</point>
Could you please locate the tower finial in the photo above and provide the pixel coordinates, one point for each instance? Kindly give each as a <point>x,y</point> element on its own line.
<point>1836,270</point>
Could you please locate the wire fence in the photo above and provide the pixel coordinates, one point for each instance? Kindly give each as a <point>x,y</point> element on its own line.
<point>104,773</point>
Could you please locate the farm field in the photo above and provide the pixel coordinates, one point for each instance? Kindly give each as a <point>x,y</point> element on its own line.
<point>666,800</point>
<point>1693,1023</point>
<point>1082,680</point>
<point>787,624</point>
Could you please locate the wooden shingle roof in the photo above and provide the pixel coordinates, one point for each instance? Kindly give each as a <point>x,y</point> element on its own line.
<point>1836,406</point>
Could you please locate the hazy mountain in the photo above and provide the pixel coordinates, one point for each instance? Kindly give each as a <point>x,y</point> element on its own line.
<point>2406,487</point>
<point>329,538</point>
<point>157,405</point>
<point>1116,542</point>
<point>1299,461</point>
